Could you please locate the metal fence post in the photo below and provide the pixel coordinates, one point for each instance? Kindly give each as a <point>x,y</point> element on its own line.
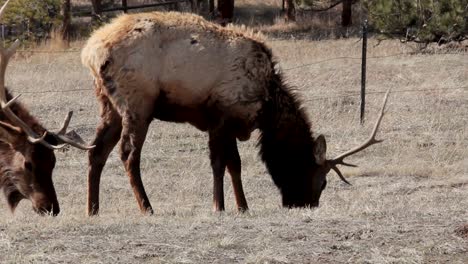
<point>363,71</point>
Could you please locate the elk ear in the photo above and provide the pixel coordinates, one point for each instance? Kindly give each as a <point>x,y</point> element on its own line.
<point>8,133</point>
<point>320,150</point>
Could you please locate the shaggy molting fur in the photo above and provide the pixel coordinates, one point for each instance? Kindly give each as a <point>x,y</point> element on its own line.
<point>286,143</point>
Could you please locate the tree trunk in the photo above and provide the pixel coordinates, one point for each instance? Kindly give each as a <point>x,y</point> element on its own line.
<point>346,13</point>
<point>203,7</point>
<point>211,8</point>
<point>96,6</point>
<point>194,6</point>
<point>290,14</point>
<point>124,6</point>
<point>226,11</point>
<point>65,10</point>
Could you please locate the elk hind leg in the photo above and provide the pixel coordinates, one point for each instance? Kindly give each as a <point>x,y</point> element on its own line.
<point>135,127</point>
<point>107,136</point>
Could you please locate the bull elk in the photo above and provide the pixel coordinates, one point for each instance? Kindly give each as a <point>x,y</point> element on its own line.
<point>27,149</point>
<point>180,68</point>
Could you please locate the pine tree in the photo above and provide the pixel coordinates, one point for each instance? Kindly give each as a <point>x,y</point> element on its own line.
<point>421,21</point>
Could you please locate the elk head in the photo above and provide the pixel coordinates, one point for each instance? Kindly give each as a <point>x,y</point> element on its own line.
<point>26,157</point>
<point>316,180</point>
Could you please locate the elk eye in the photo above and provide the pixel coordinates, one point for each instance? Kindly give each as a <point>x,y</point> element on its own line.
<point>28,166</point>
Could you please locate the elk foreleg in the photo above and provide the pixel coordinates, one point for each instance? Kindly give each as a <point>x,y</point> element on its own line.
<point>133,136</point>
<point>234,168</point>
<point>224,153</point>
<point>107,136</point>
<point>218,164</point>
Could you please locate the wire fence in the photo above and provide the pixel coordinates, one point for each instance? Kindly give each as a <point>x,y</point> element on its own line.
<point>57,91</point>
<point>285,69</point>
<point>49,51</point>
<point>314,98</point>
<point>392,92</point>
<point>372,57</point>
<point>282,69</point>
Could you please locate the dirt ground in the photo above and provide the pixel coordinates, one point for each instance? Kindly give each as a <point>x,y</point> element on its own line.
<point>408,202</point>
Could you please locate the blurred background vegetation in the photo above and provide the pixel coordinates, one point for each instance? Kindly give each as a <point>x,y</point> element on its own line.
<point>424,21</point>
<point>31,19</point>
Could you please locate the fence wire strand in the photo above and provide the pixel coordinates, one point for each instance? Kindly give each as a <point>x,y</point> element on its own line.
<point>93,126</point>
<point>382,92</point>
<point>359,58</point>
<point>57,91</point>
<point>314,98</point>
<point>50,51</point>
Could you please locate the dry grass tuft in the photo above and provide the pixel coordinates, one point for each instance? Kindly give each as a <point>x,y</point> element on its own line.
<point>56,42</point>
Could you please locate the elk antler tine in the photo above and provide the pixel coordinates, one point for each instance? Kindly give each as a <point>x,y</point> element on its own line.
<point>61,146</point>
<point>37,140</point>
<point>73,143</point>
<point>7,53</point>
<point>7,105</point>
<point>53,147</point>
<point>348,164</point>
<point>65,124</point>
<point>370,141</point>
<point>12,49</point>
<point>2,10</point>
<point>382,112</point>
<point>63,130</point>
<point>340,175</point>
<point>44,143</point>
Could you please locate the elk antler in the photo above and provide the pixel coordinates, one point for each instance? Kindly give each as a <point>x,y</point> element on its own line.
<point>5,55</point>
<point>339,160</point>
<point>61,134</point>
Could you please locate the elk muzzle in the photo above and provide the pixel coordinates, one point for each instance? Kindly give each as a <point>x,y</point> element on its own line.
<point>44,205</point>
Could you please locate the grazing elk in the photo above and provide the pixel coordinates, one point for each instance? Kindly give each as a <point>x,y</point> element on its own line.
<point>180,68</point>
<point>27,149</point>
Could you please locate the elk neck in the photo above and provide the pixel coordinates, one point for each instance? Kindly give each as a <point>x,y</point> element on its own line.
<point>286,141</point>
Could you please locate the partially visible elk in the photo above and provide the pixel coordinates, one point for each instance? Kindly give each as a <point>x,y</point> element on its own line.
<point>180,68</point>
<point>27,149</point>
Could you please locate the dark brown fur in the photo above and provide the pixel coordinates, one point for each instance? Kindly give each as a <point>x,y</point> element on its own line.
<point>31,179</point>
<point>287,147</point>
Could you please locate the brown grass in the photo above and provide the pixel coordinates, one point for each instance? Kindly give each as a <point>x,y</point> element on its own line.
<point>408,197</point>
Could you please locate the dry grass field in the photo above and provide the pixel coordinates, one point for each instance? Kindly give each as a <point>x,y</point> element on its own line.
<point>408,202</point>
